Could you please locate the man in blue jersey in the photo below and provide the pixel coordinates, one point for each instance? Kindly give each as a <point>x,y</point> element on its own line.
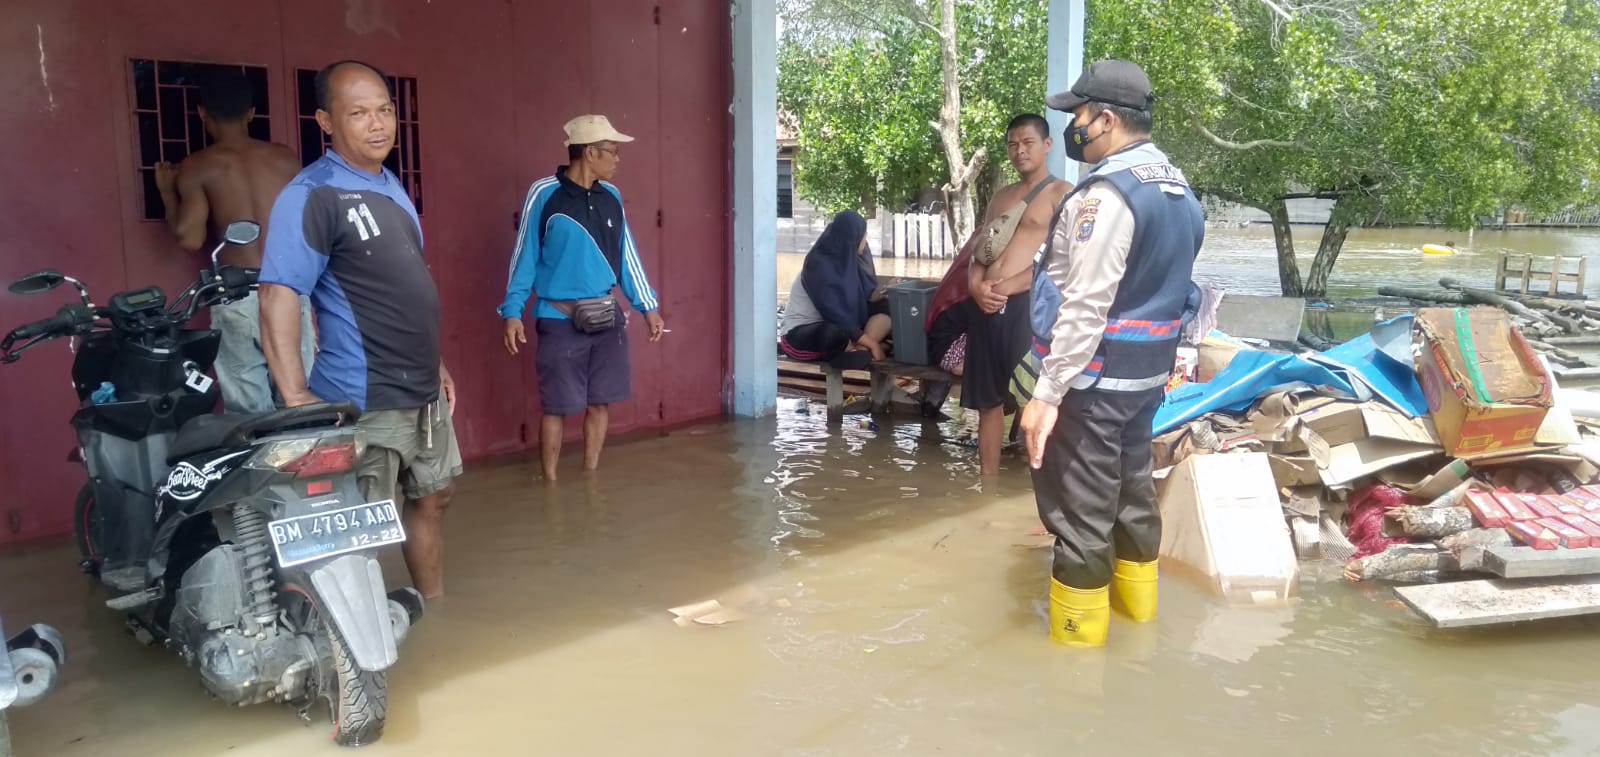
<point>574,249</point>
<point>345,233</point>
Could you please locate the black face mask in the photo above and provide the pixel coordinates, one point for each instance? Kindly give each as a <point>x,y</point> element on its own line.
<point>1075,138</point>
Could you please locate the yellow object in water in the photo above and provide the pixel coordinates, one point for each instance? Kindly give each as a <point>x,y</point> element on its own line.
<point>1437,249</point>
<point>1079,617</point>
<point>1133,587</point>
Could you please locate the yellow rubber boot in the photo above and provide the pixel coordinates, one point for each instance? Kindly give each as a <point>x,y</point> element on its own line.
<point>1079,617</point>
<point>1133,585</point>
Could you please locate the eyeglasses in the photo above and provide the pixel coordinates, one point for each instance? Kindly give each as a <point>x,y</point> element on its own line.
<point>612,150</point>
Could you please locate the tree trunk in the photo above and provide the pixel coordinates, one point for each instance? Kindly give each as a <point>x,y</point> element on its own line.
<point>1427,522</point>
<point>1288,267</point>
<point>1327,253</point>
<point>958,193</point>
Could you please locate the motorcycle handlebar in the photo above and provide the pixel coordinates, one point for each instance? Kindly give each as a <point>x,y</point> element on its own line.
<point>62,323</point>
<point>58,322</point>
<point>224,285</point>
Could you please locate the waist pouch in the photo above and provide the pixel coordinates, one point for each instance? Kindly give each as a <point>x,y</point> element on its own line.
<point>592,315</point>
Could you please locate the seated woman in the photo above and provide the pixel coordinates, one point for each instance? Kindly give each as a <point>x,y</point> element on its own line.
<point>835,313</point>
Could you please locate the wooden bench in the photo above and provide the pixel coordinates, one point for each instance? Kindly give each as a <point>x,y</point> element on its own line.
<point>881,391</point>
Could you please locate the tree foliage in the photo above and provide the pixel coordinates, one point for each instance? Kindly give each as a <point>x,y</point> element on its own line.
<point>1399,110</point>
<point>862,83</point>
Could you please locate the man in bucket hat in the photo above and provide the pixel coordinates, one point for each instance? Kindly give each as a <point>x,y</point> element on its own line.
<point>574,248</point>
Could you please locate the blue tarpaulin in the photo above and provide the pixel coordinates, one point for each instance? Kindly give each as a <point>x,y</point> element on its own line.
<point>1382,359</point>
<point>1377,364</point>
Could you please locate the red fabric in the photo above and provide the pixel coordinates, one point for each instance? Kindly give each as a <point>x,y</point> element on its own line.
<point>953,287</point>
<point>1364,518</point>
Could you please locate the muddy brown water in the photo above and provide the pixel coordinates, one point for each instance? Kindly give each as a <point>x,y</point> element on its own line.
<point>911,621</point>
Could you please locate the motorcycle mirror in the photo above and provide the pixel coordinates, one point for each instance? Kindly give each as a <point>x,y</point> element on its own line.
<point>38,282</point>
<point>242,232</point>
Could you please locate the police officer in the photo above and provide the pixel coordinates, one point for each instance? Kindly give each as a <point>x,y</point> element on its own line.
<point>1110,294</point>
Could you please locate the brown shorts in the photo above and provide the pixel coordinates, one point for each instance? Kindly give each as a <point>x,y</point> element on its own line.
<point>411,451</point>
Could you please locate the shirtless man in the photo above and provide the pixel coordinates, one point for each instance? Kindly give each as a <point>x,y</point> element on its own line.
<point>999,332</point>
<point>236,178</point>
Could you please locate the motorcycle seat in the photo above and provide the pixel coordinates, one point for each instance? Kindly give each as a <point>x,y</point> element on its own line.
<point>204,433</point>
<point>210,432</point>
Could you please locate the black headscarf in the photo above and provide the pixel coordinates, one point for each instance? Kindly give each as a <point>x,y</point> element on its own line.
<point>838,280</point>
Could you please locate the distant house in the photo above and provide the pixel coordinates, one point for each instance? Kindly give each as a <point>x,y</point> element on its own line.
<point>788,140</point>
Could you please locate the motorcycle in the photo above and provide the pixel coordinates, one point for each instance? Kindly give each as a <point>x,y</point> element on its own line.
<point>241,542</point>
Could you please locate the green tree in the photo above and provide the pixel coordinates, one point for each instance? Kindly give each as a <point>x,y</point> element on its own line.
<point>1397,110</point>
<point>891,96</point>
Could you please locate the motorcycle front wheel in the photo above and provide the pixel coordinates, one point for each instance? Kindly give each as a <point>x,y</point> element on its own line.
<point>359,700</point>
<point>87,527</point>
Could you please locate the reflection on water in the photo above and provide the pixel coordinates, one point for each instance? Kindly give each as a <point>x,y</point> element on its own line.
<point>911,622</point>
<point>1245,260</point>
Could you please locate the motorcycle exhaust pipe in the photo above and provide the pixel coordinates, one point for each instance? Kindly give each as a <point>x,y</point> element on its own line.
<point>406,606</point>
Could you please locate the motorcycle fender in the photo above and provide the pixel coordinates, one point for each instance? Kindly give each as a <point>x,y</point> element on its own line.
<point>350,591</point>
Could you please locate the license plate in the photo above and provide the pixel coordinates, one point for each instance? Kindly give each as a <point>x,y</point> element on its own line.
<point>312,537</point>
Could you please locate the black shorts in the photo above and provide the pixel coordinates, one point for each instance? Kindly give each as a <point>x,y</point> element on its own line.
<point>995,345</point>
<point>815,342</point>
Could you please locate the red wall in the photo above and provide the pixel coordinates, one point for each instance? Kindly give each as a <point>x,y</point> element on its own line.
<point>496,80</point>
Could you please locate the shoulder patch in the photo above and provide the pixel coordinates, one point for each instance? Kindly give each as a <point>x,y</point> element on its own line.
<point>1089,207</point>
<point>1085,226</point>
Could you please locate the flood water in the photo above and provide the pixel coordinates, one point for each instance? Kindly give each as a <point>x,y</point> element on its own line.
<point>1244,261</point>
<point>903,614</point>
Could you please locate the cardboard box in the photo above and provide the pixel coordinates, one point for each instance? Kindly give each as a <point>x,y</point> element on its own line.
<point>1588,527</point>
<point>1291,472</point>
<point>1533,534</point>
<point>1583,496</point>
<point>1408,477</point>
<point>1487,391</point>
<point>1214,355</point>
<point>1568,537</point>
<point>1567,505</point>
<point>1222,518</point>
<point>1516,509</point>
<point>1542,505</point>
<point>1348,462</point>
<point>1486,509</point>
<point>1349,422</point>
<point>1531,460</point>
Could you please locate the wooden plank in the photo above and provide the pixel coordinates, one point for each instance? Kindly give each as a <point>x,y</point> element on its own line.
<point>924,372</point>
<point>815,369</point>
<point>1464,604</point>
<point>818,386</point>
<point>1527,562</point>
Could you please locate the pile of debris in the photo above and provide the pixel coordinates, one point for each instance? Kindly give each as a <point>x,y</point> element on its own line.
<point>1560,329</point>
<point>1435,452</point>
